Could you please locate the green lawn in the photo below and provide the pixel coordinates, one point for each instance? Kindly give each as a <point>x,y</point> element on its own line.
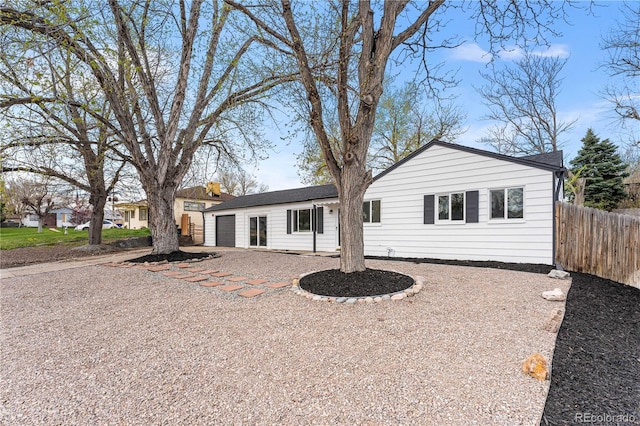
<point>11,238</point>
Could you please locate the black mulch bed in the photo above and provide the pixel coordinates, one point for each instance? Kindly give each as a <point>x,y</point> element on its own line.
<point>596,364</point>
<point>175,256</point>
<point>535,268</point>
<point>371,282</point>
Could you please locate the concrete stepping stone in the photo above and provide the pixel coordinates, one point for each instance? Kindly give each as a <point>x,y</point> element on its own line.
<point>196,279</point>
<point>173,273</point>
<point>257,281</point>
<point>211,284</point>
<point>278,285</point>
<point>209,271</point>
<point>236,279</point>
<point>184,265</point>
<point>183,276</point>
<point>159,268</point>
<point>222,274</point>
<point>231,287</point>
<point>252,292</point>
<point>196,269</point>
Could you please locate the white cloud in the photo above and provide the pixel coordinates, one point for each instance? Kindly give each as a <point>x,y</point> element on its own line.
<point>511,53</point>
<point>554,50</point>
<point>515,53</point>
<point>471,52</point>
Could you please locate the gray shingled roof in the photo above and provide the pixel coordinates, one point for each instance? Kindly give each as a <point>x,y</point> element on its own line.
<point>551,161</point>
<point>279,197</point>
<point>551,158</point>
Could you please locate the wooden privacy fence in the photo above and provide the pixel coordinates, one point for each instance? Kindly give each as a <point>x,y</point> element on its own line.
<point>599,243</point>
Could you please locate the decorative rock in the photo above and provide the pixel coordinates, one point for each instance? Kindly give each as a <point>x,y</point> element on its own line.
<point>351,300</point>
<point>555,295</point>
<point>377,299</point>
<point>296,282</point>
<point>418,287</point>
<point>341,299</point>
<point>317,297</point>
<point>420,280</point>
<point>399,296</point>
<point>368,299</point>
<point>553,324</point>
<point>386,297</point>
<point>536,367</point>
<point>562,275</point>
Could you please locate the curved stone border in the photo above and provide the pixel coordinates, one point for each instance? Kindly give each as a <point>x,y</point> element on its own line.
<point>399,295</point>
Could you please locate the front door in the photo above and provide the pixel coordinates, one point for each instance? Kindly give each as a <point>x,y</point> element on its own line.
<point>258,231</point>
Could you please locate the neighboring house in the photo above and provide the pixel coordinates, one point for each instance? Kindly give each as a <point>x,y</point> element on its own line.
<point>444,201</point>
<point>63,216</point>
<point>193,201</point>
<point>135,215</point>
<point>189,202</point>
<point>56,218</point>
<point>30,220</point>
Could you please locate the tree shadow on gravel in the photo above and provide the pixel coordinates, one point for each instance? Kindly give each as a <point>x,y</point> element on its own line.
<point>175,256</point>
<point>596,363</point>
<point>370,282</point>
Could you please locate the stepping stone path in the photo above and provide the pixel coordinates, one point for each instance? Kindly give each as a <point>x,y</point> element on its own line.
<point>213,280</point>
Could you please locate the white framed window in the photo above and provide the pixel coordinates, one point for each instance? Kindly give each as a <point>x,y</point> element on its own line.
<point>193,206</point>
<point>144,213</point>
<point>451,207</point>
<point>506,203</point>
<point>302,220</point>
<point>371,211</point>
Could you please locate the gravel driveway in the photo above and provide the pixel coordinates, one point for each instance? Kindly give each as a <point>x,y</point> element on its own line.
<point>102,345</point>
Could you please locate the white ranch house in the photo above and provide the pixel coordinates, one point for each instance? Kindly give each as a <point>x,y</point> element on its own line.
<point>444,201</point>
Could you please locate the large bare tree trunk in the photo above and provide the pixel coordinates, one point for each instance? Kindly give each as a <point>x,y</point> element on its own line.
<point>161,220</point>
<point>351,194</point>
<point>98,201</point>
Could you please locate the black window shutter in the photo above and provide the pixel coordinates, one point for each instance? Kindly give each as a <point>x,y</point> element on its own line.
<point>320,220</point>
<point>429,209</point>
<point>288,221</point>
<point>472,206</point>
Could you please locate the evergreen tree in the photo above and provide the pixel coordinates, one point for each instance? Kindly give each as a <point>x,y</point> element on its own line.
<point>604,171</point>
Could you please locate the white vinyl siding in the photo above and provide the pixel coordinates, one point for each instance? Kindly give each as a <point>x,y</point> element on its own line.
<point>443,171</point>
<point>277,237</point>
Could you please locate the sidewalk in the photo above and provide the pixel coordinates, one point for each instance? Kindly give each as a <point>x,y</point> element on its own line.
<point>61,265</point>
<point>41,268</point>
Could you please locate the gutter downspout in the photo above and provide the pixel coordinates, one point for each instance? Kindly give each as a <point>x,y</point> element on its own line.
<point>203,228</point>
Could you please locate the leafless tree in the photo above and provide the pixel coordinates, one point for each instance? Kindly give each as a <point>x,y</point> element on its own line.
<point>55,122</point>
<point>522,99</point>
<point>31,196</point>
<point>622,44</point>
<point>238,182</point>
<point>358,39</point>
<point>176,76</point>
<point>406,120</point>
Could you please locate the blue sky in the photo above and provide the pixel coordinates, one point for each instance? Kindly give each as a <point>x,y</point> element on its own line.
<point>580,98</point>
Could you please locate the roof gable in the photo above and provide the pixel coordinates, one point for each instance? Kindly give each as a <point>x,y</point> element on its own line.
<point>551,161</point>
